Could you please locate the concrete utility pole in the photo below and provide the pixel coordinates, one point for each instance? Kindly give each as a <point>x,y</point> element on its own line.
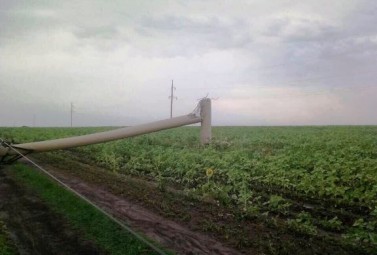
<point>172,97</point>
<point>9,155</point>
<point>205,114</point>
<point>72,111</point>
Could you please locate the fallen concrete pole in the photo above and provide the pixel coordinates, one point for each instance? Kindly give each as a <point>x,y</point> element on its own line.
<point>101,137</point>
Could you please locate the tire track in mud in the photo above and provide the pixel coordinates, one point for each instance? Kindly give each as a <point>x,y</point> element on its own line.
<point>167,232</point>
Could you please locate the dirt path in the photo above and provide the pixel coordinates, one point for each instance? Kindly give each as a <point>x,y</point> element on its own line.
<point>167,232</point>
<point>33,227</point>
<point>183,224</point>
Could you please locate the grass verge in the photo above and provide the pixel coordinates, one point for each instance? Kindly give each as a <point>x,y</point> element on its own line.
<point>83,217</point>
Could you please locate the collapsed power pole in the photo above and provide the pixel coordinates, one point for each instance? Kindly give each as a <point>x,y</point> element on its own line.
<point>202,114</point>
<point>172,97</point>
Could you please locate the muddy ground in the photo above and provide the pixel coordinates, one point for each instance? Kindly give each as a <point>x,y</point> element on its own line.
<point>180,223</point>
<point>33,227</point>
<point>172,235</point>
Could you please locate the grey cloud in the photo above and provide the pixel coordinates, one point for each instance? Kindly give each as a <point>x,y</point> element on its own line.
<point>357,47</point>
<point>196,35</point>
<point>19,22</point>
<point>102,37</point>
<point>346,52</point>
<point>300,29</point>
<point>123,55</point>
<point>362,22</point>
<point>100,31</point>
<point>18,25</point>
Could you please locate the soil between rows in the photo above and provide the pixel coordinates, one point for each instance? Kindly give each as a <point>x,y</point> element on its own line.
<point>170,234</point>
<point>184,225</point>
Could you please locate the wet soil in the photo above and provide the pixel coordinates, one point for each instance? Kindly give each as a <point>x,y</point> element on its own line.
<point>183,224</point>
<point>169,233</point>
<point>33,227</point>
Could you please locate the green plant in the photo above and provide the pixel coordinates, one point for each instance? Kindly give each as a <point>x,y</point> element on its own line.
<point>278,204</point>
<point>303,223</point>
<point>363,232</point>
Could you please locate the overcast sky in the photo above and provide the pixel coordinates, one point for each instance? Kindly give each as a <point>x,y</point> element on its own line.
<point>282,62</point>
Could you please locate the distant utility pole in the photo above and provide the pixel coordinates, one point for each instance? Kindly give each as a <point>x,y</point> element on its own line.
<point>33,120</point>
<point>72,111</point>
<point>172,97</point>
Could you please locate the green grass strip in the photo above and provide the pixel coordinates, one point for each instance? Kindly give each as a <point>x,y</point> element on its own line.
<point>97,227</point>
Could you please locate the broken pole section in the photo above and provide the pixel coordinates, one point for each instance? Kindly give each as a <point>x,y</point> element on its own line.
<point>205,114</point>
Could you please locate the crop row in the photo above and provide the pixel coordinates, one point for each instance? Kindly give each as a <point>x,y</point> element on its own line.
<point>287,172</point>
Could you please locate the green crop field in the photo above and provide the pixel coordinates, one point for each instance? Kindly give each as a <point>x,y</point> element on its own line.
<point>315,181</point>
